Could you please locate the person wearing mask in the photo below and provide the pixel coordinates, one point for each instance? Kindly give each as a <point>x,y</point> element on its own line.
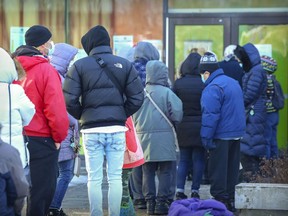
<point>189,89</point>
<point>102,90</point>
<point>49,125</point>
<point>253,144</point>
<point>61,58</point>
<point>143,53</point>
<point>223,125</point>
<point>156,135</point>
<point>230,64</point>
<point>13,183</point>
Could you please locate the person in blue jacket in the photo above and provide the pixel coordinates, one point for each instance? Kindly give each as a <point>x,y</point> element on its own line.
<point>223,125</point>
<point>253,145</point>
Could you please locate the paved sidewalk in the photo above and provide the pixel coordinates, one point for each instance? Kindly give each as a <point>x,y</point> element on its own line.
<point>76,201</point>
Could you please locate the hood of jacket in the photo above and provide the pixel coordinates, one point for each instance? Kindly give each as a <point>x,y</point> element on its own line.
<point>96,36</point>
<point>8,71</point>
<point>156,73</point>
<point>146,50</point>
<point>190,64</point>
<point>29,56</point>
<point>253,54</point>
<point>62,56</point>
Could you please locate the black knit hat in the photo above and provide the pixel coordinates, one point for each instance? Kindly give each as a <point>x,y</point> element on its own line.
<point>208,62</point>
<point>96,36</point>
<point>37,35</point>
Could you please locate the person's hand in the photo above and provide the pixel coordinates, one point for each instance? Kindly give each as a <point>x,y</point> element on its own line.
<point>57,145</point>
<point>208,144</point>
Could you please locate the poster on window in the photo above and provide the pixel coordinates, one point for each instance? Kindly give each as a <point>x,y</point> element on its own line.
<point>121,42</point>
<point>201,46</point>
<point>17,37</point>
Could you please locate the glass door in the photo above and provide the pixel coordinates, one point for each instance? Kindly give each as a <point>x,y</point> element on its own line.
<point>186,34</point>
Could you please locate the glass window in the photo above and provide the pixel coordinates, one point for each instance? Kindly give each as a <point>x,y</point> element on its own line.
<point>178,4</point>
<point>200,37</point>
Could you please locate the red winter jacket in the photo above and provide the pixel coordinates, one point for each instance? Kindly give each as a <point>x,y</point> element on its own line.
<point>43,87</point>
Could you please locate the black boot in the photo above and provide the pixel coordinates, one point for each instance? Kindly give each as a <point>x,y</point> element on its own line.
<point>161,208</point>
<point>150,207</point>
<point>53,212</point>
<point>231,206</point>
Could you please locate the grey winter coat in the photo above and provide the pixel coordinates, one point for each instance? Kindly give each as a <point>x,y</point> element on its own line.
<point>13,184</point>
<point>155,134</point>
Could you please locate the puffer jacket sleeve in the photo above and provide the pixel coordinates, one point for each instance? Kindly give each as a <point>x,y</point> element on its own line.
<point>72,92</point>
<point>26,107</point>
<point>252,86</point>
<point>134,93</point>
<point>211,110</point>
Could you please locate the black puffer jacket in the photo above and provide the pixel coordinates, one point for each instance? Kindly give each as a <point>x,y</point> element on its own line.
<point>93,98</point>
<point>189,89</point>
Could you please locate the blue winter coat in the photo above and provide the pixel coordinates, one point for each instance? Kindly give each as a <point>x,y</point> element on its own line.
<point>254,92</point>
<point>223,114</point>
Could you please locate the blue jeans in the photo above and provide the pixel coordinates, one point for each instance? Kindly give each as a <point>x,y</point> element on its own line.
<point>271,134</point>
<point>197,155</point>
<point>63,180</point>
<point>113,146</point>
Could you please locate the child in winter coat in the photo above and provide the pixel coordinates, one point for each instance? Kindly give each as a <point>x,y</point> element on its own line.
<point>275,102</point>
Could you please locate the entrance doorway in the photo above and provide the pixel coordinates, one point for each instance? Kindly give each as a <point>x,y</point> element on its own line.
<point>269,32</point>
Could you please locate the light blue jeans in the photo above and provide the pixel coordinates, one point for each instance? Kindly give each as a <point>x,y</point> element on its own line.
<point>96,145</point>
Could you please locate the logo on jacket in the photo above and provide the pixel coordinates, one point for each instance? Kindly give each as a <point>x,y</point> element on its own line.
<point>118,65</point>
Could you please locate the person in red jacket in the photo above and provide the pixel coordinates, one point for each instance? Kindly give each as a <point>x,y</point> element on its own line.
<point>49,126</point>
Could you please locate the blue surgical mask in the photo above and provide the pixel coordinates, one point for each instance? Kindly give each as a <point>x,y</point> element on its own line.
<point>202,78</point>
<point>51,49</point>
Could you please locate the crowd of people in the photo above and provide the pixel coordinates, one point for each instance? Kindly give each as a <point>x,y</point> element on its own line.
<point>215,115</point>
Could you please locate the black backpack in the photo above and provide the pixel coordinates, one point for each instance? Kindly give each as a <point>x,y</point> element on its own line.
<point>278,99</point>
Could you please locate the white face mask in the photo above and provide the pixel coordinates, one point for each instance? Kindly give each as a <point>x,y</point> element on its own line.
<point>202,78</point>
<point>51,49</point>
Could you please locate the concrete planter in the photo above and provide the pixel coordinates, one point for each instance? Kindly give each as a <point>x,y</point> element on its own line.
<point>262,199</point>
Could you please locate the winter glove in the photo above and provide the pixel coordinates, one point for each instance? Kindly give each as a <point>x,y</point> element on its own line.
<point>208,144</point>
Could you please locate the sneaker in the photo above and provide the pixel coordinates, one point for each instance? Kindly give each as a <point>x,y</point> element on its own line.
<point>150,207</point>
<point>140,204</point>
<point>161,208</point>
<point>180,195</point>
<point>195,195</point>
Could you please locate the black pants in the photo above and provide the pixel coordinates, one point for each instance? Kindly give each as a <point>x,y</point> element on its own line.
<point>164,170</point>
<point>223,168</point>
<point>44,172</point>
